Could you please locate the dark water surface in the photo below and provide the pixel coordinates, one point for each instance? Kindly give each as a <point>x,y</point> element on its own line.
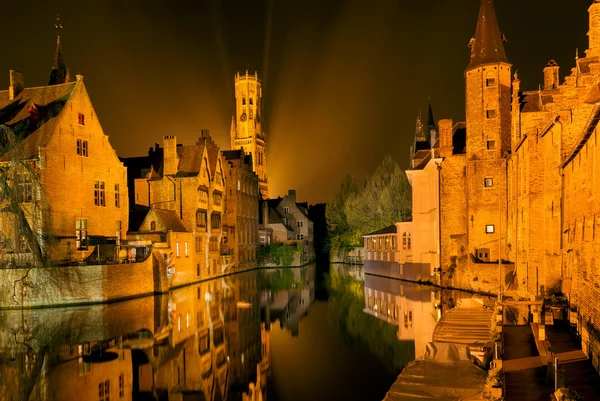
<point>217,339</point>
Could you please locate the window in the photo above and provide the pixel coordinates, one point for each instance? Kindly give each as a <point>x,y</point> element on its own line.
<point>286,210</point>
<point>179,323</point>
<point>186,249</point>
<point>219,178</point>
<point>177,249</point>
<point>216,198</point>
<point>239,185</point>
<point>82,148</point>
<point>300,223</point>
<point>215,221</point>
<point>251,113</point>
<point>23,245</point>
<point>490,113</point>
<point>187,319</point>
<point>121,385</point>
<point>99,193</point>
<point>24,188</point>
<point>490,82</point>
<point>104,390</point>
<point>488,182</point>
<point>117,196</point>
<point>198,241</point>
<point>118,232</point>
<point>243,100</point>
<point>203,196</point>
<point>491,145</point>
<point>201,219</point>
<point>299,236</point>
<point>213,245</point>
<point>153,225</point>
<point>198,274</point>
<point>489,229</point>
<point>81,231</point>
<point>81,119</point>
<point>406,243</point>
<point>251,101</point>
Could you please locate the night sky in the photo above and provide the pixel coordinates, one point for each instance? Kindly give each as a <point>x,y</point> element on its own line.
<point>343,81</point>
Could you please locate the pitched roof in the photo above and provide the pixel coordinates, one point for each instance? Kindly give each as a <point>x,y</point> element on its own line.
<point>33,113</point>
<point>190,159</point>
<point>232,154</point>
<point>387,230</point>
<point>487,46</point>
<point>530,103</point>
<point>171,220</point>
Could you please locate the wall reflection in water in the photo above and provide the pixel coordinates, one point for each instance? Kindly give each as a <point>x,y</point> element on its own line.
<point>208,341</point>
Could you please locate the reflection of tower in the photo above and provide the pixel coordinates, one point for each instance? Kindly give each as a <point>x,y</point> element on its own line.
<point>246,125</point>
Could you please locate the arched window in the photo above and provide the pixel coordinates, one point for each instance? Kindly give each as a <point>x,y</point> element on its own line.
<point>243,100</point>
<point>251,101</point>
<point>406,241</point>
<point>153,225</point>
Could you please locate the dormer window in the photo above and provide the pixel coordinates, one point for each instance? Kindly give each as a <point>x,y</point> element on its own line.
<point>81,119</point>
<point>153,225</point>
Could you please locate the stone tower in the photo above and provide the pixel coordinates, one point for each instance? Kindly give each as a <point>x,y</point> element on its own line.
<point>246,125</point>
<point>488,123</point>
<point>594,32</point>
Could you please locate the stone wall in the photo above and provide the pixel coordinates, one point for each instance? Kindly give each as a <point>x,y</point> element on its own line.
<point>77,284</point>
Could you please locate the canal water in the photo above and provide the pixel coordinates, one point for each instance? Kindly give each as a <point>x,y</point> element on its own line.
<point>217,340</point>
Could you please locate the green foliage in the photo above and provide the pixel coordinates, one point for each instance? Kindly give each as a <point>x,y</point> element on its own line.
<point>345,313</point>
<point>280,255</point>
<point>354,211</point>
<point>277,279</point>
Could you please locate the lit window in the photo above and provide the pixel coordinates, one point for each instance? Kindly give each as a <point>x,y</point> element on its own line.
<point>186,249</point>
<point>177,249</point>
<point>187,319</point>
<point>81,230</point>
<point>179,323</point>
<point>198,242</point>
<point>99,193</point>
<point>119,233</point>
<point>406,243</point>
<point>491,113</point>
<point>203,196</point>
<point>489,229</point>
<point>488,182</point>
<point>81,119</point>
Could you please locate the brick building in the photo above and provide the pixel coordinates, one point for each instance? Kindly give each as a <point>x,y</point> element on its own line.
<point>63,149</point>
<point>188,181</point>
<point>240,221</point>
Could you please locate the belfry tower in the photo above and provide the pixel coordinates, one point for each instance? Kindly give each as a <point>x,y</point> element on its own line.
<point>246,125</point>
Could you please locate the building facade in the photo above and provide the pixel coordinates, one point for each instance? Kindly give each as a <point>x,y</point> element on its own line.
<point>69,182</point>
<point>247,125</point>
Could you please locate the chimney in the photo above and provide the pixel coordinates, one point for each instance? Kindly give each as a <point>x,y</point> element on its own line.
<point>170,158</point>
<point>446,146</point>
<point>292,195</point>
<point>551,79</point>
<point>17,84</point>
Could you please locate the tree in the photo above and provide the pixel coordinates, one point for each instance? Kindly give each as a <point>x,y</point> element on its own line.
<point>340,234</point>
<point>354,211</point>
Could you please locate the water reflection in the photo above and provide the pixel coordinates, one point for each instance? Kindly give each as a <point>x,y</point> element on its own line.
<point>241,337</point>
<point>202,342</point>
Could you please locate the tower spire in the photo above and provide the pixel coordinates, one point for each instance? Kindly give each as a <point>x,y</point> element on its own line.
<point>488,44</point>
<point>60,72</point>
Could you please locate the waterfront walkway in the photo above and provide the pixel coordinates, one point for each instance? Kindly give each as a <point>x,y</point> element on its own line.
<point>580,374</point>
<point>525,377</point>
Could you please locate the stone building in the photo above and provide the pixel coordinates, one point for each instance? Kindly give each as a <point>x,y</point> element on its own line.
<point>188,181</point>
<point>240,221</point>
<point>65,152</point>
<point>288,220</point>
<point>247,127</point>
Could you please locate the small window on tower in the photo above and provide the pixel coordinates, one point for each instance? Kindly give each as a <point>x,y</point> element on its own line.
<point>490,82</point>
<point>491,145</point>
<point>491,113</point>
<point>490,229</point>
<point>488,182</point>
<point>81,119</point>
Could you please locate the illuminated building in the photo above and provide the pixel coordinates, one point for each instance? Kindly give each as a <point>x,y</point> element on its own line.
<point>247,131</point>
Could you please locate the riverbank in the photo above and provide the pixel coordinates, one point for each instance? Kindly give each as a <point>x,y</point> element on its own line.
<point>59,287</point>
